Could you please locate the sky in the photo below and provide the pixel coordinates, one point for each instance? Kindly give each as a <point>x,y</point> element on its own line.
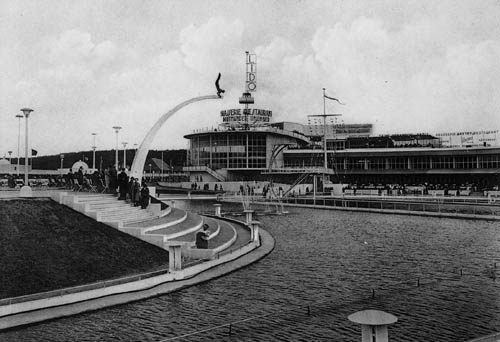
<point>86,66</point>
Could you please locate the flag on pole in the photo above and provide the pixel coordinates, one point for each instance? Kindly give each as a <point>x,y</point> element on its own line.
<point>34,152</point>
<point>334,99</point>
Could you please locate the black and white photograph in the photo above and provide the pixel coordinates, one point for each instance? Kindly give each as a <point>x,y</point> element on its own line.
<point>250,170</point>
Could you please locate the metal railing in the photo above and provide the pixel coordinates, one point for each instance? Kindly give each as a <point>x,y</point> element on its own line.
<point>376,203</point>
<point>408,206</point>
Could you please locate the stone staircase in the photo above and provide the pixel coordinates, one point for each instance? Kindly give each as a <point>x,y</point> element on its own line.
<point>157,226</point>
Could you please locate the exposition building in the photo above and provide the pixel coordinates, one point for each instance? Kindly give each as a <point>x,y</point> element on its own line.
<point>248,146</point>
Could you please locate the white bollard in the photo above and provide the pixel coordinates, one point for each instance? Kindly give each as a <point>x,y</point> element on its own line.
<point>248,215</point>
<point>174,255</point>
<point>373,324</point>
<point>254,230</point>
<point>218,209</point>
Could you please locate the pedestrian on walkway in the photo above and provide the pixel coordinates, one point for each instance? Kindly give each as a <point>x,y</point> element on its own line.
<point>122,183</point>
<point>144,196</point>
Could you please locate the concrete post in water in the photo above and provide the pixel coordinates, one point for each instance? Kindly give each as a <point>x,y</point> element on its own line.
<point>373,324</point>
<point>248,214</point>
<point>254,232</point>
<point>174,255</point>
<point>218,209</point>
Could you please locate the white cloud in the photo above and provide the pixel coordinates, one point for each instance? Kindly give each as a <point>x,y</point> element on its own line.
<point>213,46</point>
<point>432,68</point>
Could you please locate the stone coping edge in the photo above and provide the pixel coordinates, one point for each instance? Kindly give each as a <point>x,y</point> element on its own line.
<point>206,273</point>
<point>387,211</point>
<point>495,337</point>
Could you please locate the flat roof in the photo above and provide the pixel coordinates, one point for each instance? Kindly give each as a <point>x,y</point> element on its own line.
<point>270,130</point>
<point>408,151</point>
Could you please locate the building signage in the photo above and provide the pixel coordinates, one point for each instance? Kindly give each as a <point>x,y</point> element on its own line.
<point>246,116</point>
<point>471,138</point>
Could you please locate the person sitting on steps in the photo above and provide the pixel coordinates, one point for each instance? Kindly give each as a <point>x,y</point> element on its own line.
<point>202,237</point>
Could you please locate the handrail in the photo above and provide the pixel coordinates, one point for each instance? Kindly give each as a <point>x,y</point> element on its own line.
<point>477,209</point>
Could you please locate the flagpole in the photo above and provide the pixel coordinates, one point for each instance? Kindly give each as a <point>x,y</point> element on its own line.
<point>324,115</point>
<point>325,164</point>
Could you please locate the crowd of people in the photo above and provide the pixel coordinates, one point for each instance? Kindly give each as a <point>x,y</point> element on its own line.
<point>110,181</point>
<point>416,189</point>
<point>206,187</point>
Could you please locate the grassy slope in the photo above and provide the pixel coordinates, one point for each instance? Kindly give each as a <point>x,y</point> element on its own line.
<point>46,246</point>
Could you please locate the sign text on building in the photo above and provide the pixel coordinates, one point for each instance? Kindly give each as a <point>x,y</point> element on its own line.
<point>249,116</point>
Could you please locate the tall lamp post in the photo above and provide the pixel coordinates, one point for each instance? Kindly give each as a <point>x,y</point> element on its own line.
<point>10,159</point>
<point>150,174</point>
<point>117,129</point>
<point>93,152</point>
<point>26,190</point>
<point>125,154</point>
<point>19,116</point>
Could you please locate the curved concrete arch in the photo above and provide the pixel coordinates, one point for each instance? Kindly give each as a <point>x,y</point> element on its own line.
<point>142,151</point>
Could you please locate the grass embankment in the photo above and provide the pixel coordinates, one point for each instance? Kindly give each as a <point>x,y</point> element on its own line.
<point>46,246</point>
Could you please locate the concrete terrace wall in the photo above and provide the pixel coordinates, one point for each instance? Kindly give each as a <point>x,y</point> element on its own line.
<point>12,315</point>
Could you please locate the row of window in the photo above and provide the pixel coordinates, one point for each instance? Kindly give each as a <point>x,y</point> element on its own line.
<point>229,140</point>
<point>402,163</point>
<point>229,151</point>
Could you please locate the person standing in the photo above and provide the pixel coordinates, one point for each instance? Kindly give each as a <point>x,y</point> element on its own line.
<point>130,192</point>
<point>122,183</point>
<point>107,179</point>
<point>136,193</point>
<point>79,176</point>
<point>70,182</point>
<point>144,196</point>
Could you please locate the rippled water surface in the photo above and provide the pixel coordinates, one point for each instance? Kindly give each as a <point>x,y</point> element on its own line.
<point>326,265</point>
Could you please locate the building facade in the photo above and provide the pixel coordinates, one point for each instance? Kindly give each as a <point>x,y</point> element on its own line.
<point>244,150</point>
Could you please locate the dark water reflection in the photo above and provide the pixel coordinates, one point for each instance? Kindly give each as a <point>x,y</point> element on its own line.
<point>330,261</point>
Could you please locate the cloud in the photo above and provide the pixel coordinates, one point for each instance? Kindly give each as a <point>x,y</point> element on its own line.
<point>402,80</point>
<point>213,46</point>
<point>409,75</point>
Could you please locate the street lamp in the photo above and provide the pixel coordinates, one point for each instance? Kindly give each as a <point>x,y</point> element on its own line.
<point>125,154</point>
<point>19,116</point>
<point>26,190</point>
<point>10,159</point>
<point>62,160</point>
<point>117,129</point>
<point>150,174</point>
<point>93,152</point>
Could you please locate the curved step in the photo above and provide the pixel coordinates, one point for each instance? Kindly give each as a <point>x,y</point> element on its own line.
<point>128,216</point>
<point>226,237</point>
<point>192,223</point>
<point>213,227</point>
<point>93,198</point>
<point>174,217</point>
